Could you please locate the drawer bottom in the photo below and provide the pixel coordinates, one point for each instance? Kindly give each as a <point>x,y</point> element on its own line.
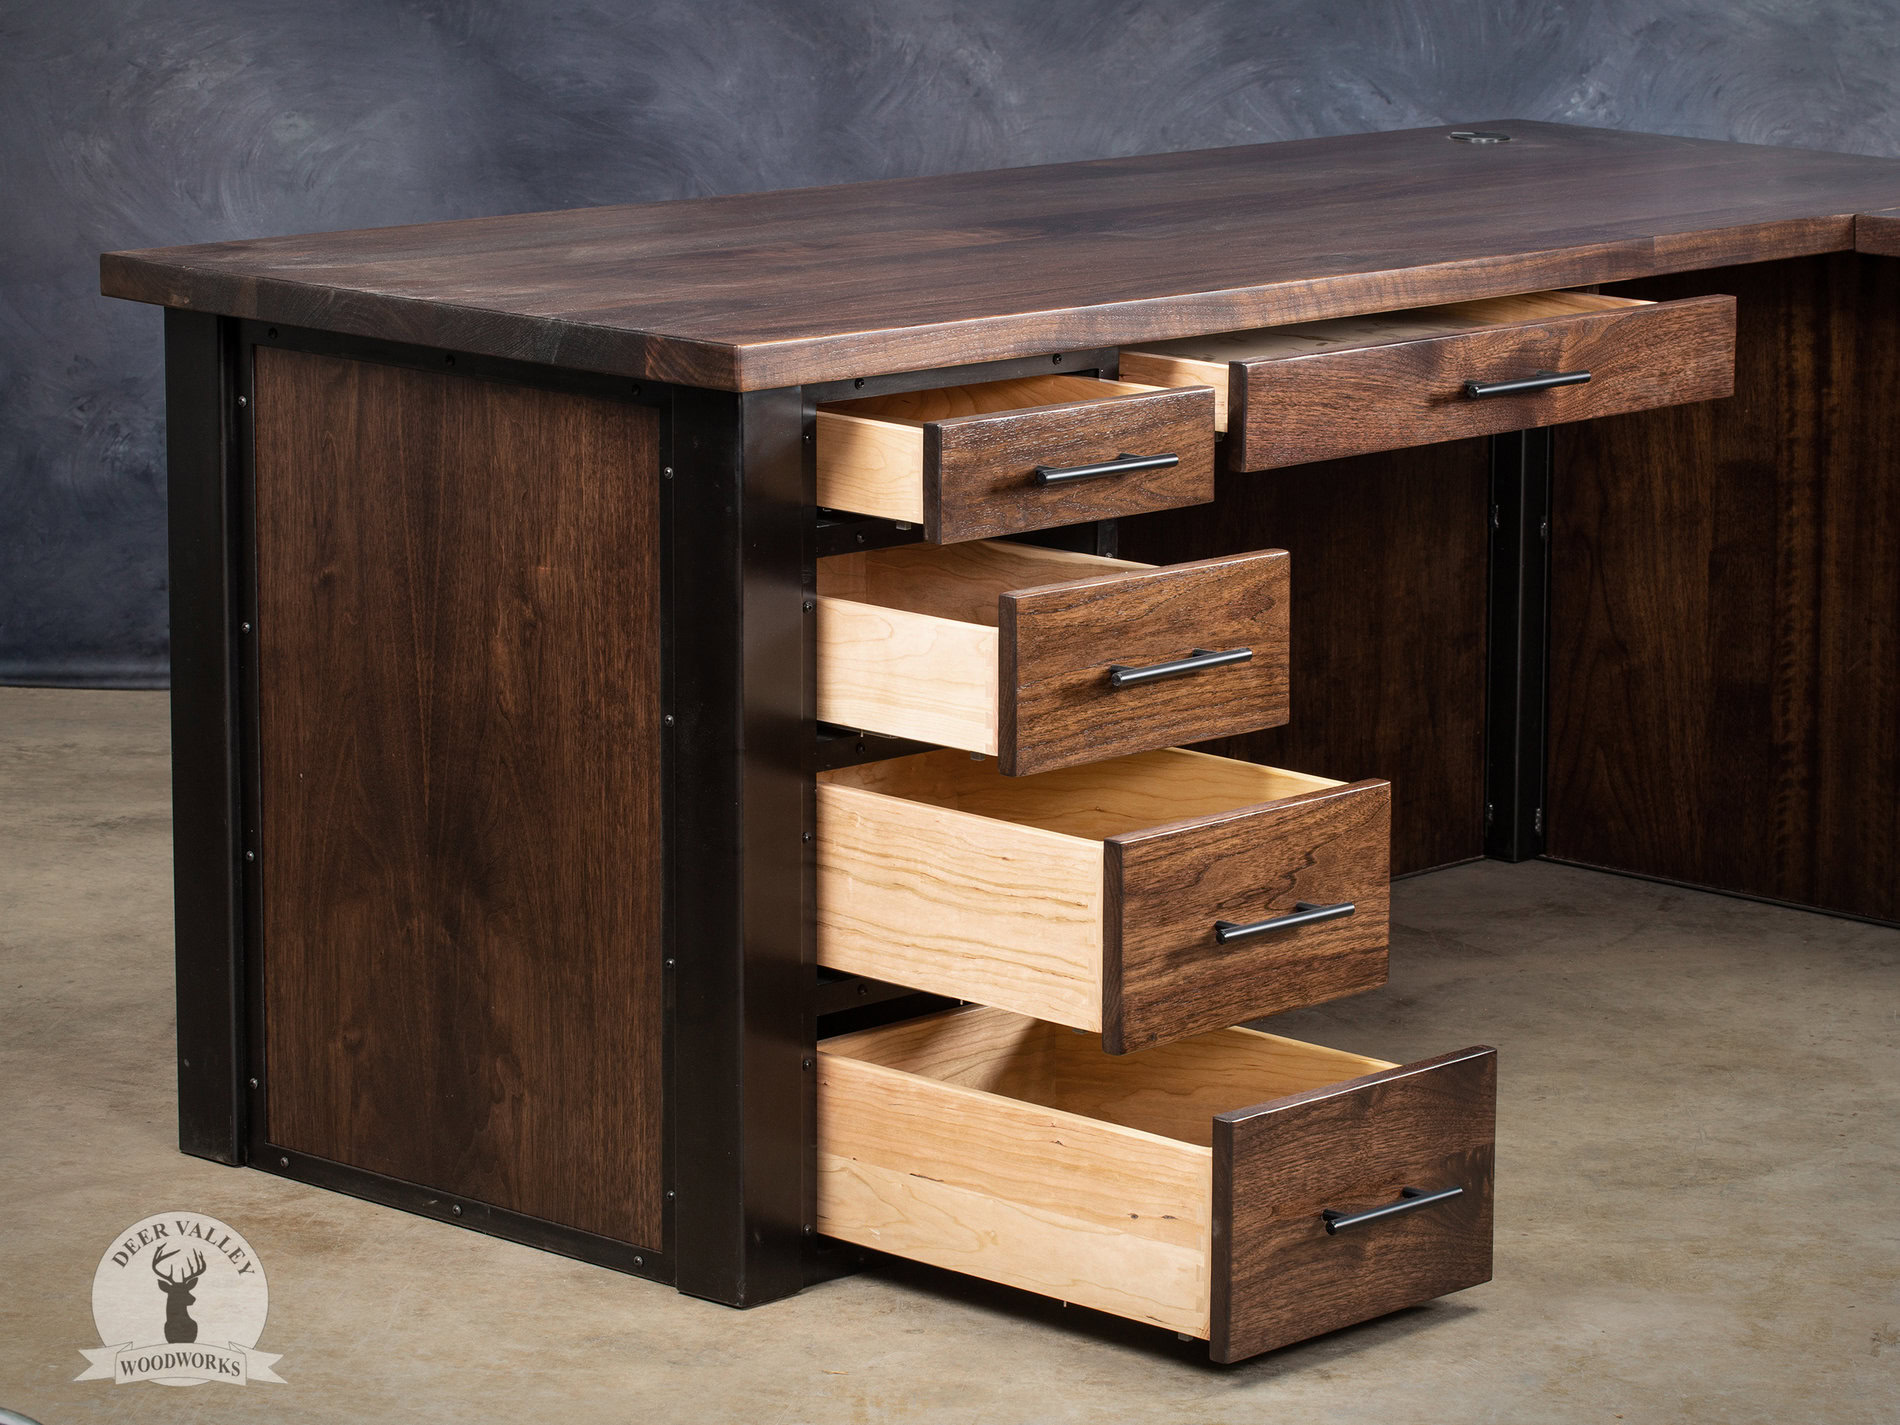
<point>1145,1185</point>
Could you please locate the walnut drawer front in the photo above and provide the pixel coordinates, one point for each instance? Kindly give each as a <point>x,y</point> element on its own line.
<point>1095,896</point>
<point>1003,457</point>
<point>1354,385</point>
<point>1239,1187</point>
<point>1013,651</point>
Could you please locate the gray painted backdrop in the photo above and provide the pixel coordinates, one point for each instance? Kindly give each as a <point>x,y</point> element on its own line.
<point>136,123</point>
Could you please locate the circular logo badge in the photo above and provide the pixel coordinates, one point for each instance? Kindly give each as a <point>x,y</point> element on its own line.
<point>180,1299</point>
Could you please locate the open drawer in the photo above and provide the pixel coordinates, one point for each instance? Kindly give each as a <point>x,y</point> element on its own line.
<point>1353,385</point>
<point>1147,897</point>
<point>1045,658</point>
<point>1239,1187</point>
<point>1003,457</point>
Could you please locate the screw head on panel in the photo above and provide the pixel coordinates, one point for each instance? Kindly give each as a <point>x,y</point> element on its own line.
<point>244,400</point>
<point>666,472</point>
<point>283,1162</point>
<point>253,1083</point>
<point>456,1209</point>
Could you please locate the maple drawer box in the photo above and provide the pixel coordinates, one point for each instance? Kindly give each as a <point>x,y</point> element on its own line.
<point>1045,658</point>
<point>1005,457</point>
<point>1238,1187</point>
<point>1147,897</point>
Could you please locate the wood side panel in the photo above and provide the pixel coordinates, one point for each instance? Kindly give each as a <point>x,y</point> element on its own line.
<point>1296,410</point>
<point>1878,233</point>
<point>870,467</point>
<point>907,674</point>
<point>459,673</point>
<point>1389,557</point>
<point>1166,976</point>
<point>755,291</point>
<point>1278,1276</point>
<point>1053,1202</point>
<point>960,905</point>
<point>979,470</point>
<point>1174,1090</point>
<point>1725,656</point>
<point>1056,705</point>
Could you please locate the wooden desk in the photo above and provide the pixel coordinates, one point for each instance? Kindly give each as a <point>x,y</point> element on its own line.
<point>513,562</point>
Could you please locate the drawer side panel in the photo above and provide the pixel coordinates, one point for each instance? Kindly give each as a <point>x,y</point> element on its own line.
<point>1075,1209</point>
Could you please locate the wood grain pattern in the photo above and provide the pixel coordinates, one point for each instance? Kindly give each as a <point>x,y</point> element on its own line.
<point>878,456</point>
<point>938,874</point>
<point>1878,233</point>
<point>1093,800</point>
<point>979,471</point>
<point>774,289</point>
<point>1060,641</point>
<point>1013,1150</point>
<point>960,905</point>
<point>459,673</point>
<point>1173,1090</point>
<point>933,643</point>
<point>1295,410</point>
<point>907,674</point>
<point>1209,360</point>
<point>1725,636</point>
<point>1165,975</point>
<point>1277,1276</point>
<point>1389,556</point>
<point>1074,1208</point>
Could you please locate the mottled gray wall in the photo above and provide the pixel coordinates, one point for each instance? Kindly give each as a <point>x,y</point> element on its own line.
<point>146,122</point>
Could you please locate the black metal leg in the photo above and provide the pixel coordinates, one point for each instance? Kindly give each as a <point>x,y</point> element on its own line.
<point>206,828</point>
<point>1517,663</point>
<point>742,868</point>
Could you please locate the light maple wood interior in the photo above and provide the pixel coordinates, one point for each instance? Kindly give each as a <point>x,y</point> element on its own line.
<point>1174,1090</point>
<point>955,581</point>
<point>1095,801</point>
<point>1204,360</point>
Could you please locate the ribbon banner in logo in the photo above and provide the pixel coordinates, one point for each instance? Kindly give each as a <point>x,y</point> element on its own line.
<point>234,1365</point>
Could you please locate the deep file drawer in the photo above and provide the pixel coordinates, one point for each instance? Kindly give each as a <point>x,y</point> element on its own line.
<point>1353,385</point>
<point>1238,1187</point>
<point>1005,457</point>
<point>1044,658</point>
<point>1147,897</point>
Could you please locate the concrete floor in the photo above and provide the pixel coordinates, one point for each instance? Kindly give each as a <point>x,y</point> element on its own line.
<point>1698,1184</point>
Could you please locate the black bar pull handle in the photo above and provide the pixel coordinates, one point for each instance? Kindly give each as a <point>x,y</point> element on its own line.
<point>1542,381</point>
<point>1120,676</point>
<point>1303,913</point>
<point>1123,464</point>
<point>1410,1200</point>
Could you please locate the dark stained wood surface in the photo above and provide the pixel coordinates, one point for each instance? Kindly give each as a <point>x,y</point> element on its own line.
<point>1294,411</point>
<point>1278,1277</point>
<point>774,289</point>
<point>459,720</point>
<point>979,471</point>
<point>1164,974</point>
<point>1389,558</point>
<point>1056,706</point>
<point>1725,634</point>
<point>1878,233</point>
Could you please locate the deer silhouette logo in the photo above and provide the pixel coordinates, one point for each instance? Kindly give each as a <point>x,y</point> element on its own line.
<point>180,1329</point>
